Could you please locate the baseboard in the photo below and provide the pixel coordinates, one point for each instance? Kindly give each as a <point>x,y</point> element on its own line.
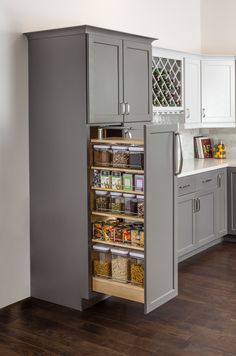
<point>200,249</point>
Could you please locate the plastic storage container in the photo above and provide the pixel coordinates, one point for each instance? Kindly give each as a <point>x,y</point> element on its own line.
<point>137,268</point>
<point>96,178</point>
<point>120,156</point>
<point>127,181</point>
<point>102,155</point>
<point>105,179</point>
<point>116,180</point>
<point>136,157</point>
<point>120,265</point>
<point>140,206</point>
<point>139,183</point>
<point>101,261</point>
<point>102,200</point>
<point>116,202</point>
<point>130,203</point>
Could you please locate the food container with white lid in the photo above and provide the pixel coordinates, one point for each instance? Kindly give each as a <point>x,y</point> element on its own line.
<point>137,268</point>
<point>136,157</point>
<point>120,156</point>
<point>101,260</point>
<point>120,265</point>
<point>116,202</point>
<point>102,155</point>
<point>101,200</point>
<point>140,206</point>
<point>130,203</point>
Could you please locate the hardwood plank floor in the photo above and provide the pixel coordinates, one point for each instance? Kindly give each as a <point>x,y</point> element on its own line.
<point>200,321</point>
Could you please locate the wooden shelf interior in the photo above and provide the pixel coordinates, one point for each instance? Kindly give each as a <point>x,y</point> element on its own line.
<point>118,140</point>
<point>116,289</point>
<point>117,216</point>
<point>118,244</point>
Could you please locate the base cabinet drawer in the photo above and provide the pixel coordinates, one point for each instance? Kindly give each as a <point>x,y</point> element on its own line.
<point>186,185</point>
<point>207,180</point>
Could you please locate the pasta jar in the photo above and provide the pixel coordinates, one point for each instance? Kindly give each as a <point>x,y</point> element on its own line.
<point>136,157</point>
<point>120,156</point>
<point>102,200</point>
<point>137,268</point>
<point>120,265</point>
<point>102,155</point>
<point>101,261</point>
<point>140,208</point>
<point>130,203</point>
<point>116,180</point>
<point>116,202</point>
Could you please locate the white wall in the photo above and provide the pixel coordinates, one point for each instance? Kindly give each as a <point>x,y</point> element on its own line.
<point>218,26</point>
<point>14,176</point>
<point>175,23</point>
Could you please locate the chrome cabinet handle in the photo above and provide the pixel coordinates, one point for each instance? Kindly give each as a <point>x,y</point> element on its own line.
<point>194,205</point>
<point>187,113</point>
<point>178,170</point>
<point>127,108</point>
<point>203,112</point>
<point>219,178</point>
<point>206,180</point>
<point>122,108</point>
<point>198,204</point>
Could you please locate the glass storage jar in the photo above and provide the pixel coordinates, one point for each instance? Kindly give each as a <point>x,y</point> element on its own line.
<point>120,265</point>
<point>118,236</point>
<point>130,203</point>
<point>96,178</point>
<point>102,200</point>
<point>120,156</point>
<point>136,157</point>
<point>102,155</point>
<point>137,268</point>
<point>135,235</point>
<point>116,180</point>
<point>116,202</point>
<point>108,230</point>
<point>101,261</point>
<point>140,208</point>
<point>105,179</point>
<point>127,234</point>
<point>139,183</point>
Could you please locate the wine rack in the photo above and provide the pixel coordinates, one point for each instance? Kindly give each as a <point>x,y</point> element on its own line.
<point>167,83</point>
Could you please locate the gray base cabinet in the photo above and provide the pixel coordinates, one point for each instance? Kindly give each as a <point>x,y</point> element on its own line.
<point>202,210</point>
<point>232,201</point>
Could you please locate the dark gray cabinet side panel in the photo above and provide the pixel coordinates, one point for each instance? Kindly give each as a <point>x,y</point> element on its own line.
<point>137,81</point>
<point>105,82</point>
<point>58,169</point>
<point>232,201</point>
<point>160,224</point>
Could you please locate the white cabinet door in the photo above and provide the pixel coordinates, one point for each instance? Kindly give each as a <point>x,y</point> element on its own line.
<point>218,91</point>
<point>192,91</point>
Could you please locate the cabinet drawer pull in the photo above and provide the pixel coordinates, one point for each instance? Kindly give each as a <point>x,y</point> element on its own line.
<point>127,108</point>
<point>219,180</point>
<point>122,108</point>
<point>186,186</point>
<point>207,180</point>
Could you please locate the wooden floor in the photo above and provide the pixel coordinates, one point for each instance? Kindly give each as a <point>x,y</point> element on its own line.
<point>200,321</point>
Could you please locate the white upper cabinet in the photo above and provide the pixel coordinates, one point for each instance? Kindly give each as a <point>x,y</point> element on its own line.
<point>218,92</point>
<point>192,80</point>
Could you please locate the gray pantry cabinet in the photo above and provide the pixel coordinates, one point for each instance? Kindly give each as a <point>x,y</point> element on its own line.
<point>78,77</point>
<point>232,201</point>
<point>202,211</point>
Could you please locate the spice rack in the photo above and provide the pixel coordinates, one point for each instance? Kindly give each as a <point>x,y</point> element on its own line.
<point>109,285</point>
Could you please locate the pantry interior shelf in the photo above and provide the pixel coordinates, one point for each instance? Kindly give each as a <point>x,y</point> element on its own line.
<point>117,289</point>
<point>118,190</point>
<point>127,170</point>
<point>118,216</point>
<point>119,141</point>
<point>118,244</point>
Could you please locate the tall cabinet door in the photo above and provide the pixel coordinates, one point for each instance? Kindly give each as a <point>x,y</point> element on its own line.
<point>160,208</point>
<point>192,91</point>
<point>137,81</point>
<point>218,91</point>
<point>232,201</point>
<point>105,80</point>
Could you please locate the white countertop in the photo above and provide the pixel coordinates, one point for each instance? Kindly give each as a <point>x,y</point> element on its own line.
<point>195,166</point>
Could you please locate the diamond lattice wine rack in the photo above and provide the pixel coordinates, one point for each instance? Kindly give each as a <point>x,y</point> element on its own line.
<point>166,83</point>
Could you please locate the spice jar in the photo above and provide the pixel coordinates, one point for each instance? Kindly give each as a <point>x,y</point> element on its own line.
<point>102,200</point>
<point>137,268</point>
<point>136,157</point>
<point>116,202</point>
<point>140,199</point>
<point>116,180</point>
<point>105,179</point>
<point>101,261</point>
<point>102,155</point>
<point>120,265</point>
<point>130,203</point>
<point>120,156</point>
<point>96,178</point>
